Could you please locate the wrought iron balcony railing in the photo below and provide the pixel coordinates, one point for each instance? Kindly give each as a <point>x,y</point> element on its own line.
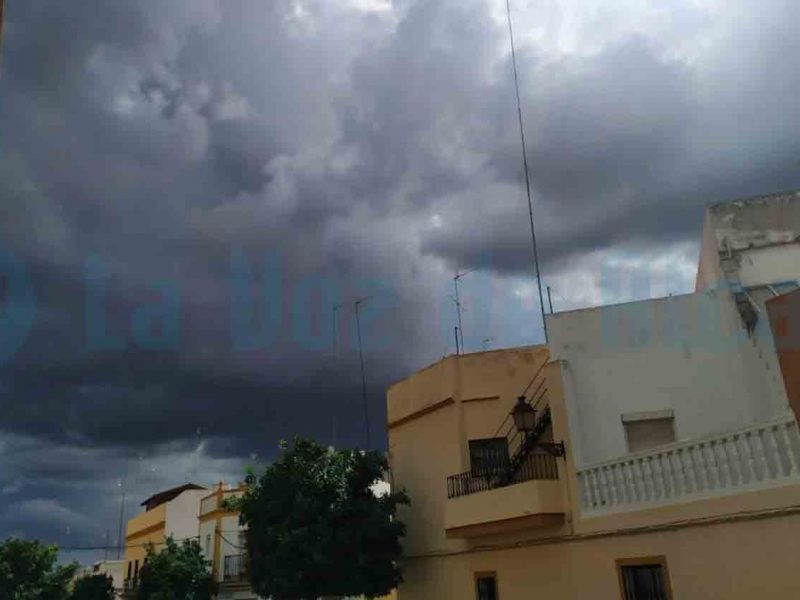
<point>533,466</point>
<point>235,567</point>
<point>516,456</point>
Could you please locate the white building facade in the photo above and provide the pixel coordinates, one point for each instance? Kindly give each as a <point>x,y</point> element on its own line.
<point>683,397</point>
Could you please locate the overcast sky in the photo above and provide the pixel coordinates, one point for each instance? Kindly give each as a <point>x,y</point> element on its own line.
<point>187,187</point>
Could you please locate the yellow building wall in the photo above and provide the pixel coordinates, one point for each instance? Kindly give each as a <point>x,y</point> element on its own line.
<point>143,529</point>
<point>432,416</point>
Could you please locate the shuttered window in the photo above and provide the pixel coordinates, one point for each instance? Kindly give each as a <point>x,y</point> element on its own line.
<point>488,456</point>
<point>486,587</point>
<point>647,580</point>
<point>644,431</point>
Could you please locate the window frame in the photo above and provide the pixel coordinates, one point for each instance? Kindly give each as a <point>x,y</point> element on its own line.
<point>644,561</point>
<point>631,419</point>
<point>485,574</point>
<point>492,456</point>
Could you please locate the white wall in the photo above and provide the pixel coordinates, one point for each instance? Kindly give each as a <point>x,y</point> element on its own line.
<point>686,353</point>
<point>181,515</point>
<point>764,266</point>
<point>207,528</point>
<point>230,530</point>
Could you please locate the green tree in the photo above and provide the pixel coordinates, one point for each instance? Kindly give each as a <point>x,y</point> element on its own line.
<point>93,587</point>
<point>177,572</point>
<point>315,527</point>
<point>28,571</point>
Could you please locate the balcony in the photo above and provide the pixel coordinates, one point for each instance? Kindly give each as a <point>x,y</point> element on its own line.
<point>499,500</point>
<point>214,502</point>
<point>534,467</point>
<point>754,458</point>
<point>235,568</point>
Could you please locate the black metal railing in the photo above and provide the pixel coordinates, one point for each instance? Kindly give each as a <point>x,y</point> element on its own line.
<point>533,466</point>
<point>235,567</point>
<point>524,456</point>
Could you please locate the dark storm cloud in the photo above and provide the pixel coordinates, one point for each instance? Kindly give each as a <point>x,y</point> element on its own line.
<point>166,158</point>
<point>627,144</point>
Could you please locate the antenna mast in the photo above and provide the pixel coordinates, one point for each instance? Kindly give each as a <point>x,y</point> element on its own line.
<point>120,540</point>
<point>357,303</point>
<point>525,165</point>
<point>457,300</point>
<point>335,334</point>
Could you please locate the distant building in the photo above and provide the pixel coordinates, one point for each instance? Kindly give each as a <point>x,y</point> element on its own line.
<point>171,513</point>
<point>112,568</point>
<point>662,457</point>
<point>223,542</point>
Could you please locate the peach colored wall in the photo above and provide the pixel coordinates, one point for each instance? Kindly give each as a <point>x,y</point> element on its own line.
<point>510,502</point>
<point>746,559</point>
<point>474,393</point>
<point>740,546</point>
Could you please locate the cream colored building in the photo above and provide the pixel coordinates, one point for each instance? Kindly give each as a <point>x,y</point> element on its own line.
<point>680,476</point>
<point>170,513</point>
<point>223,542</point>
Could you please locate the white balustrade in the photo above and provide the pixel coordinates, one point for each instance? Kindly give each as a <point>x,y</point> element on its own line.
<point>757,457</point>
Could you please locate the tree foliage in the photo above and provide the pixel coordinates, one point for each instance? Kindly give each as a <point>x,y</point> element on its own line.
<point>177,572</point>
<point>93,587</point>
<point>28,570</point>
<point>315,527</point>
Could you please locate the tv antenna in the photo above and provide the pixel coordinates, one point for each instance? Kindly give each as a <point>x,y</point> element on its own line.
<point>525,166</point>
<point>457,301</point>
<point>356,305</point>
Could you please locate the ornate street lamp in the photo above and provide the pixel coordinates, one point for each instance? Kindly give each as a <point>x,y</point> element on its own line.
<point>524,415</point>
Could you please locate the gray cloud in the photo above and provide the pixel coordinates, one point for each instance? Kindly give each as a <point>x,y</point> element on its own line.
<point>372,149</point>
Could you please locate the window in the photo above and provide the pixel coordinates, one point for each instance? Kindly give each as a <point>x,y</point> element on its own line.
<point>488,455</point>
<point>644,579</point>
<point>208,545</point>
<point>486,586</point>
<point>647,430</point>
<point>136,570</point>
<point>130,567</point>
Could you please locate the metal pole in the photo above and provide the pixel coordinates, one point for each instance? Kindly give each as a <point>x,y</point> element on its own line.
<point>455,331</point>
<point>120,541</point>
<point>550,299</point>
<point>335,333</point>
<point>1,29</point>
<point>363,375</point>
<point>458,310</point>
<point>525,165</point>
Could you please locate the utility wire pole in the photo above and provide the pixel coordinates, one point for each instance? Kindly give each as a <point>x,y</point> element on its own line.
<point>335,334</point>
<point>458,305</point>
<point>525,165</point>
<point>120,541</point>
<point>357,304</point>
<point>1,27</point>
